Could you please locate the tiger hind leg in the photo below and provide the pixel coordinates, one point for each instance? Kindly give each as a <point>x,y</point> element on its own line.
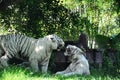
<point>4,61</point>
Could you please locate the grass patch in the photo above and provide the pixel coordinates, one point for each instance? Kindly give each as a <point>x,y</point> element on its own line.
<point>17,73</point>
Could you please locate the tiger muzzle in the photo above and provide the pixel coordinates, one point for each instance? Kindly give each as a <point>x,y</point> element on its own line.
<point>68,51</point>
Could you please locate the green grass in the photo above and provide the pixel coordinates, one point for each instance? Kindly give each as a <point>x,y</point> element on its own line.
<point>17,73</point>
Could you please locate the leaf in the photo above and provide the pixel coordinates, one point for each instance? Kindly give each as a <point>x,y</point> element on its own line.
<point>102,41</point>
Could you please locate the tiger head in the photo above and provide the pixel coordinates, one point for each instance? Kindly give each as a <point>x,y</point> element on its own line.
<point>72,50</point>
<point>55,42</point>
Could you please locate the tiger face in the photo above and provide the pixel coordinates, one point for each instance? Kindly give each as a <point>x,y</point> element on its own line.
<point>72,50</point>
<point>55,41</point>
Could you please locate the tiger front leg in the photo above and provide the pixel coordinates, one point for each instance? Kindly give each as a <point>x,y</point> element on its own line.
<point>34,65</point>
<point>70,74</point>
<point>62,72</point>
<point>44,66</point>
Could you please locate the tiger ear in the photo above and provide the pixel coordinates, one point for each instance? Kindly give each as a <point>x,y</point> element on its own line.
<point>53,40</point>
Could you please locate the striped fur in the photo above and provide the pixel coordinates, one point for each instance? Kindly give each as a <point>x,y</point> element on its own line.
<point>36,50</point>
<point>79,64</point>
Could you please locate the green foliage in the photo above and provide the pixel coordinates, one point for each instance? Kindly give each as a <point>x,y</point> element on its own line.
<point>111,42</point>
<point>40,17</point>
<point>97,16</point>
<point>102,41</point>
<point>110,45</point>
<point>63,17</point>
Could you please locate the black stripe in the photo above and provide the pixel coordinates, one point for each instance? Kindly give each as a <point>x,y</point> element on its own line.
<point>22,45</point>
<point>16,38</point>
<point>29,46</point>
<point>10,50</point>
<point>20,40</point>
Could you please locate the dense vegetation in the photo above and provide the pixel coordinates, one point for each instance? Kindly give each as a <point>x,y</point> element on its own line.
<point>63,17</point>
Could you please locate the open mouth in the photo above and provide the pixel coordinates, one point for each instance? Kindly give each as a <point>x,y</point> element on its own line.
<point>58,48</point>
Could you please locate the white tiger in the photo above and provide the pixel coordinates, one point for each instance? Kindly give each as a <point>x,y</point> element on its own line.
<point>79,64</point>
<point>36,50</point>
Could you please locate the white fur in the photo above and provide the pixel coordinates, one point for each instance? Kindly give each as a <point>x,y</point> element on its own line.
<point>79,64</point>
<point>39,51</point>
